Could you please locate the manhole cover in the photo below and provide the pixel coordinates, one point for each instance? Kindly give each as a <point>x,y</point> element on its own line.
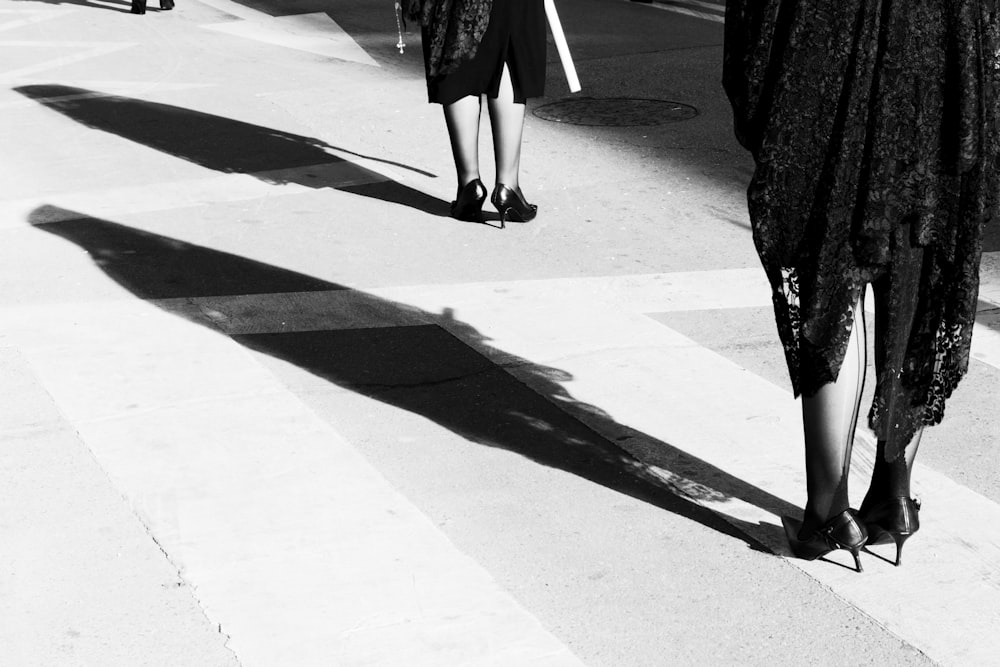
<point>615,111</point>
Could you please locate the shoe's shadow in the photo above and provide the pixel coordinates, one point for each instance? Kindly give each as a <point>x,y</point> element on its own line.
<point>427,363</point>
<point>232,146</point>
<point>876,554</point>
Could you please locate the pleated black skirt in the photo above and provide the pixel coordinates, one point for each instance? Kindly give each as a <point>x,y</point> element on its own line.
<point>515,36</point>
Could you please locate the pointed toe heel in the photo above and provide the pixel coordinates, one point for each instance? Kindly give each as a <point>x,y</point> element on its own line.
<point>843,531</point>
<point>511,205</point>
<point>894,520</point>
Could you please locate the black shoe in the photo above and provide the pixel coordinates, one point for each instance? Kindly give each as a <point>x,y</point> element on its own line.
<point>511,205</point>
<point>843,531</point>
<point>138,6</point>
<point>468,205</point>
<point>893,520</point>
<point>166,5</point>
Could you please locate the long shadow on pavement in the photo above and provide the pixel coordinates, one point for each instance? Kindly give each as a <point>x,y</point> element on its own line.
<point>429,364</point>
<point>231,146</point>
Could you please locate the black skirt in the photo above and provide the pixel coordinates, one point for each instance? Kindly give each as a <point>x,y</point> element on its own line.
<point>515,36</point>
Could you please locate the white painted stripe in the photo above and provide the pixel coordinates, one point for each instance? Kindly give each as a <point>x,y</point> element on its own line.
<point>85,51</point>
<point>126,200</point>
<point>640,372</point>
<point>986,338</point>
<point>668,387</point>
<point>33,16</point>
<point>681,9</point>
<point>989,277</point>
<point>236,9</point>
<point>293,544</point>
<point>711,6</point>
<point>315,33</point>
<point>108,89</point>
<point>663,292</point>
<point>716,411</point>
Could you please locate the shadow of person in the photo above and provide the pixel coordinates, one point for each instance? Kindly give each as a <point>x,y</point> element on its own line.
<point>427,363</point>
<point>231,146</point>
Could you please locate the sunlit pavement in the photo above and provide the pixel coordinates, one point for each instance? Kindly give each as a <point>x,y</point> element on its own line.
<point>266,404</point>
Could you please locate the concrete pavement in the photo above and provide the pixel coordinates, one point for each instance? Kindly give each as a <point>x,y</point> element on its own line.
<point>266,404</point>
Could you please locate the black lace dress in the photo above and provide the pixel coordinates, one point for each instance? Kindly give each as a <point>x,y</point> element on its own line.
<point>467,42</point>
<point>873,125</point>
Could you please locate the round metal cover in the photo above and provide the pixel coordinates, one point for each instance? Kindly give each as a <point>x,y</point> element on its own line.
<point>615,111</point>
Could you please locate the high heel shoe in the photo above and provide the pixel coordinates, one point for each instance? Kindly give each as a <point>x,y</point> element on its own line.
<point>468,205</point>
<point>843,531</point>
<point>166,4</point>
<point>893,520</point>
<point>511,205</point>
<point>138,7</point>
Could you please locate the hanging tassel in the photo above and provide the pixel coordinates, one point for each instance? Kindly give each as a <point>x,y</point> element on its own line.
<point>399,26</point>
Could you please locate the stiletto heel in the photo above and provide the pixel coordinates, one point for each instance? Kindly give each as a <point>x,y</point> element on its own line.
<point>899,538</point>
<point>468,205</point>
<point>510,204</point>
<point>893,520</point>
<point>843,531</point>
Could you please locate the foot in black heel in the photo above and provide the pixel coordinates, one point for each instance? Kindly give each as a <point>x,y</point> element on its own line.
<point>166,5</point>
<point>138,7</point>
<point>468,204</point>
<point>843,531</point>
<point>893,520</point>
<point>510,204</point>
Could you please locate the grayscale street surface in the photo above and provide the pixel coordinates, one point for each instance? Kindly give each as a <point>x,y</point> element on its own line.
<point>264,403</point>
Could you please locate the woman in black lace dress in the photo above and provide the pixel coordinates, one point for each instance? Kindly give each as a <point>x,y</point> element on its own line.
<point>481,47</point>
<point>873,126</point>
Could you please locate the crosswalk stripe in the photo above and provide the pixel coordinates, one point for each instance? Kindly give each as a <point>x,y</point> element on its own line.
<point>661,292</point>
<point>711,6</point>
<point>296,546</point>
<point>30,15</point>
<point>109,89</point>
<point>80,51</point>
<point>122,201</point>
<point>316,32</point>
<point>691,8</point>
<point>593,330</point>
<point>205,467</point>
